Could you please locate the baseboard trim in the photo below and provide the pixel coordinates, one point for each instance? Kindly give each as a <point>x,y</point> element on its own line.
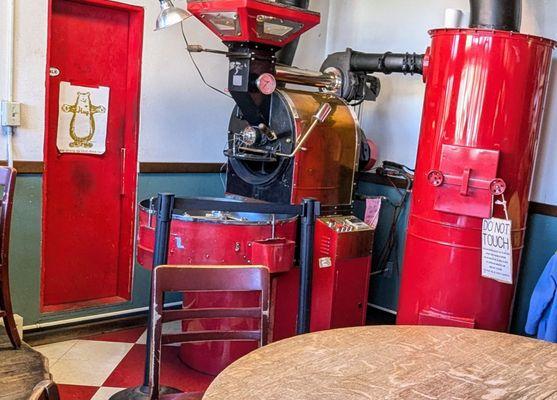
<point>180,168</point>
<point>542,209</point>
<point>534,207</point>
<point>75,328</point>
<point>37,167</point>
<point>26,167</point>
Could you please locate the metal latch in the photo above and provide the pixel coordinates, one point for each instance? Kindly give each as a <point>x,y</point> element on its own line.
<point>466,181</point>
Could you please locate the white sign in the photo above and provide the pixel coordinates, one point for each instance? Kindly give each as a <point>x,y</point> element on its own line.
<point>497,260</point>
<point>373,207</point>
<point>325,262</point>
<point>82,119</point>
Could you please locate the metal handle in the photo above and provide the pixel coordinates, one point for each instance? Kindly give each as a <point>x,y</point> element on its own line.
<point>318,118</point>
<point>151,212</point>
<point>329,80</point>
<point>323,112</point>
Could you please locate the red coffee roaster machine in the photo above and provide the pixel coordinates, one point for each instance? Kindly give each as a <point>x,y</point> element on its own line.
<point>292,159</point>
<point>294,153</point>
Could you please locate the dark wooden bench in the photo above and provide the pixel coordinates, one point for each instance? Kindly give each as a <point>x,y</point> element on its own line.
<point>21,370</point>
<point>7,181</point>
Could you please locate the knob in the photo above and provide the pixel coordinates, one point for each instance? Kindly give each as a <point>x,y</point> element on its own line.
<point>497,187</point>
<point>435,178</point>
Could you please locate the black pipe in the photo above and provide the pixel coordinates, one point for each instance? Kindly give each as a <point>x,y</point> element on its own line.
<point>165,206</point>
<point>311,209</point>
<point>504,15</point>
<point>286,54</point>
<point>406,63</point>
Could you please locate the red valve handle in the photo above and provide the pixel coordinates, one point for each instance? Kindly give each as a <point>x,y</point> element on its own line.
<point>497,187</point>
<point>435,178</point>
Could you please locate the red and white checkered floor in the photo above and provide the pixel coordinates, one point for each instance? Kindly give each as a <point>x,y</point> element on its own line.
<point>96,367</point>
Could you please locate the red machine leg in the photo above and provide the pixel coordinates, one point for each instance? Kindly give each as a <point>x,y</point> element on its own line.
<point>340,281</point>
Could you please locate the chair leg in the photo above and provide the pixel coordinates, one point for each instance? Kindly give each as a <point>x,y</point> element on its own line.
<point>9,321</point>
<point>52,392</point>
<point>11,329</point>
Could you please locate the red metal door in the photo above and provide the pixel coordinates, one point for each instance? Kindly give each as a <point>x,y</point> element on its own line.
<point>350,306</point>
<point>89,199</point>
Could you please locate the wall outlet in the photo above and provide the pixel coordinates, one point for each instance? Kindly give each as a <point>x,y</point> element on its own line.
<point>10,113</point>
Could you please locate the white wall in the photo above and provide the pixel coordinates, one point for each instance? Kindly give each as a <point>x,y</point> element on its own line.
<point>401,25</point>
<point>181,119</point>
<point>29,75</point>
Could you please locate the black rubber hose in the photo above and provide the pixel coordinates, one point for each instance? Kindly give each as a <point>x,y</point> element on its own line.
<point>406,63</point>
<point>286,54</point>
<point>504,15</point>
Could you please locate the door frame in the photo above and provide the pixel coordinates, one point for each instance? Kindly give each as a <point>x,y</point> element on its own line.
<point>131,140</point>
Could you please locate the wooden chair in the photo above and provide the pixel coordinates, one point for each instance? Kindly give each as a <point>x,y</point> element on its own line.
<point>7,181</point>
<point>45,390</point>
<point>172,278</point>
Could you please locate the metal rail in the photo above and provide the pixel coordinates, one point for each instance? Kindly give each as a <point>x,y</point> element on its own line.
<point>328,80</point>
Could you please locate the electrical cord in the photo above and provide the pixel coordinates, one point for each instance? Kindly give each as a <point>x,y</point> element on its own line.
<point>197,67</point>
<point>392,241</point>
<point>391,170</point>
<point>357,103</point>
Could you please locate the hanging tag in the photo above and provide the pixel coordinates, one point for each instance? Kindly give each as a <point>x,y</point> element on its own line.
<point>373,207</point>
<point>503,203</point>
<point>497,260</point>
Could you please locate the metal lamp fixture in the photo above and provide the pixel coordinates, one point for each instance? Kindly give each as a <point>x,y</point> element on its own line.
<point>170,15</point>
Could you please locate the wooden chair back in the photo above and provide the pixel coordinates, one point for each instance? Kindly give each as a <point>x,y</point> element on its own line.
<point>7,181</point>
<point>45,390</point>
<point>202,278</point>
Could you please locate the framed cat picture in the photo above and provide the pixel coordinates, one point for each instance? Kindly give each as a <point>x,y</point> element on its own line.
<point>82,119</point>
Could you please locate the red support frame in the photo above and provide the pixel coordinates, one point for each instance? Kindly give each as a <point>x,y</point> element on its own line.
<point>248,12</point>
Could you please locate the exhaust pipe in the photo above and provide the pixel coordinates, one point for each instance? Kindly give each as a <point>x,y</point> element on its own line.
<point>504,15</point>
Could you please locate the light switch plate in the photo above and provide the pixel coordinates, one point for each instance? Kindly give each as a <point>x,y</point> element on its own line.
<point>11,113</point>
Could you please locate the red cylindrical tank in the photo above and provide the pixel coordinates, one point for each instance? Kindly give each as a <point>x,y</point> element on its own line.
<point>484,99</point>
<point>206,238</point>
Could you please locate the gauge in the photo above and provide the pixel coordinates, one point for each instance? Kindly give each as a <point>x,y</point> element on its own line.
<point>266,83</point>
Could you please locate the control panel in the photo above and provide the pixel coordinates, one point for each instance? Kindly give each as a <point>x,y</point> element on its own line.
<point>341,258</point>
<point>345,223</point>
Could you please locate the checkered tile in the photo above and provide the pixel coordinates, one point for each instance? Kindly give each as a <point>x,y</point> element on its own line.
<point>96,367</point>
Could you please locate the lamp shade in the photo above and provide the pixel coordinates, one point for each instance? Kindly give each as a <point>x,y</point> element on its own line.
<point>170,15</point>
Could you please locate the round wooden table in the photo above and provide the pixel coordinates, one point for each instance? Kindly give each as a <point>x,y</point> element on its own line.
<point>393,362</point>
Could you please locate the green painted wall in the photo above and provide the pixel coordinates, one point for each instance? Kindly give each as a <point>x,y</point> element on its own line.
<point>540,245</point>
<point>25,246</point>
<point>384,287</point>
<point>541,242</point>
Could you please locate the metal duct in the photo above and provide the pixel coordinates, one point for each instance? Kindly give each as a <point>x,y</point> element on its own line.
<point>387,63</point>
<point>502,15</point>
<point>286,55</point>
